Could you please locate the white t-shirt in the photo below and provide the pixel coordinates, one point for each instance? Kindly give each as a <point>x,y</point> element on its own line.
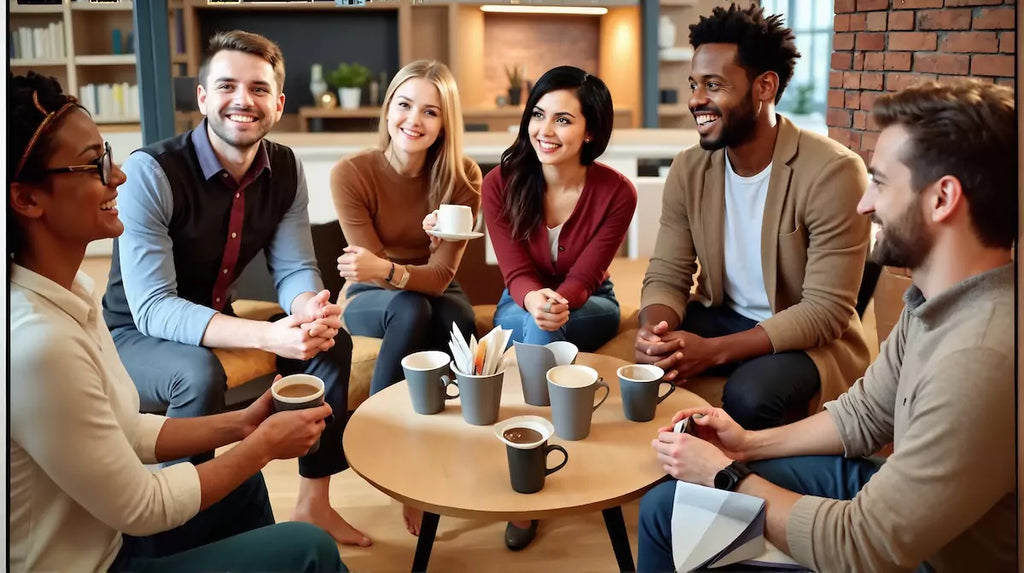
<point>744,213</point>
<point>553,233</point>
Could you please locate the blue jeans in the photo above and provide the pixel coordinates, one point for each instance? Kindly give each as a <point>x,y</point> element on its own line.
<point>763,392</point>
<point>235,534</point>
<point>408,322</point>
<point>589,326</point>
<point>833,477</point>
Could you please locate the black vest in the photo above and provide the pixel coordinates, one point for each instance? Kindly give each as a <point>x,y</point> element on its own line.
<point>199,222</point>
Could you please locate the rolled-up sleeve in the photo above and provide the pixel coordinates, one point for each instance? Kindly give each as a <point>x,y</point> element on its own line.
<point>290,253</point>
<point>145,205</point>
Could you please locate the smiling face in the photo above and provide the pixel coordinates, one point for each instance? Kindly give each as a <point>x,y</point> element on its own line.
<point>903,239</point>
<point>77,208</point>
<point>240,98</point>
<point>721,97</point>
<point>557,128</point>
<point>414,118</point>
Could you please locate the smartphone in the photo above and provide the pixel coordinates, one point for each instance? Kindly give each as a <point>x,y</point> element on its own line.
<point>685,426</point>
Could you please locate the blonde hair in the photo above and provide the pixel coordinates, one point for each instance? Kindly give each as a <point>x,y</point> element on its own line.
<point>445,157</point>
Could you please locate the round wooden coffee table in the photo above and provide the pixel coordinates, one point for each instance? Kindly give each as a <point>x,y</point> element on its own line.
<point>444,466</point>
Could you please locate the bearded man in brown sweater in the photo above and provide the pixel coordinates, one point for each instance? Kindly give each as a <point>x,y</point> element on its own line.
<point>944,192</point>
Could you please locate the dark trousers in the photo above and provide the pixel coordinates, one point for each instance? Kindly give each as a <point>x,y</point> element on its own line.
<point>832,477</point>
<point>407,322</point>
<point>235,534</point>
<point>188,381</point>
<point>762,392</point>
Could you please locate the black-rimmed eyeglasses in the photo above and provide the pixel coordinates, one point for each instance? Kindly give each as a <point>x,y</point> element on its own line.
<point>103,165</point>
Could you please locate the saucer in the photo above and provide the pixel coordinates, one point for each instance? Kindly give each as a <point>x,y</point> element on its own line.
<point>455,236</point>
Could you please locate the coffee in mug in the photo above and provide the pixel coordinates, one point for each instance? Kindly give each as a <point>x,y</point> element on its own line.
<point>454,219</point>
<point>527,450</point>
<point>298,392</point>
<point>638,385</point>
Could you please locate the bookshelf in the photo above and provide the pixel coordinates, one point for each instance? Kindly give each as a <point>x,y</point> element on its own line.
<point>85,46</point>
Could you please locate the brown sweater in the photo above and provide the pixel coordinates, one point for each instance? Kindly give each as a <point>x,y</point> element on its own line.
<point>382,211</point>
<point>942,390</point>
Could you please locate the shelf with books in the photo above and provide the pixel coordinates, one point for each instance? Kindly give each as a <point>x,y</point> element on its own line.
<point>106,60</point>
<point>37,62</point>
<point>36,8</point>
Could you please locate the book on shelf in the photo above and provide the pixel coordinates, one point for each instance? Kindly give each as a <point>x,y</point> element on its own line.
<point>111,102</point>
<point>714,528</point>
<point>38,43</point>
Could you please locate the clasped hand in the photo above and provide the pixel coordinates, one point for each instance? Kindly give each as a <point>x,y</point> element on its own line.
<point>549,309</point>
<point>679,353</point>
<point>302,336</point>
<point>359,265</point>
<point>696,459</point>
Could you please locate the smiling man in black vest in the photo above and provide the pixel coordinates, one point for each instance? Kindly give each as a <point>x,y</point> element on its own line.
<point>196,209</point>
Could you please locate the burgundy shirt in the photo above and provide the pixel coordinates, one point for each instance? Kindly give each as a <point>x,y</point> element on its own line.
<point>589,239</point>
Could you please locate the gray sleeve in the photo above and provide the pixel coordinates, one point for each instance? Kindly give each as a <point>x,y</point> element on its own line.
<point>145,204</point>
<point>290,253</point>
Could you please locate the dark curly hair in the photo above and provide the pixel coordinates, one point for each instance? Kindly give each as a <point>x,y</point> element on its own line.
<point>23,119</point>
<point>763,44</point>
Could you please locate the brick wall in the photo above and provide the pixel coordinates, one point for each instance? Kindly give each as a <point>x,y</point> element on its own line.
<point>885,45</point>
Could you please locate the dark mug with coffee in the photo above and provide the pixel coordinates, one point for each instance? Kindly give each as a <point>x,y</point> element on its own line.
<point>526,444</point>
<point>298,392</point>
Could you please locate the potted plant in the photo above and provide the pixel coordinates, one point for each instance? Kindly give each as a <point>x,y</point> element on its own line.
<point>515,84</point>
<point>349,79</point>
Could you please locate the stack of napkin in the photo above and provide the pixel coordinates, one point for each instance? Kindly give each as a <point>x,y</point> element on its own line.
<point>481,358</point>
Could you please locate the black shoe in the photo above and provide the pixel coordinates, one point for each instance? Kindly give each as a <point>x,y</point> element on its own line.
<point>517,538</point>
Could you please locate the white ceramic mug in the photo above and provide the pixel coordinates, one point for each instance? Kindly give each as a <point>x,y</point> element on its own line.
<point>454,219</point>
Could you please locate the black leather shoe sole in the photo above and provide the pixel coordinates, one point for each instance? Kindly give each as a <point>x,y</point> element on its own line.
<point>517,538</point>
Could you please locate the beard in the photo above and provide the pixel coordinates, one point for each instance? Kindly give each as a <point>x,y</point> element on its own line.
<point>737,129</point>
<point>905,242</point>
<point>219,125</point>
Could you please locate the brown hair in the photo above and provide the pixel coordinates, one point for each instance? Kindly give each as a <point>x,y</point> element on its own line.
<point>249,43</point>
<point>967,130</point>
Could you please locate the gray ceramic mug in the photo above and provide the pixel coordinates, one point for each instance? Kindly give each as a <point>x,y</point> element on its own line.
<point>428,377</point>
<point>527,448</point>
<point>480,396</point>
<point>639,385</point>
<point>534,361</point>
<point>572,389</point>
<point>290,393</point>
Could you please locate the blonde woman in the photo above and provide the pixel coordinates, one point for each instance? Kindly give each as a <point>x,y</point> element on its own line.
<point>399,280</point>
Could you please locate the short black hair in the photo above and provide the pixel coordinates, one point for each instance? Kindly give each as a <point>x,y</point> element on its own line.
<point>763,44</point>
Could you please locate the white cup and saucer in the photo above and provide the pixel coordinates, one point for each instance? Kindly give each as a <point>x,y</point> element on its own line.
<point>454,223</point>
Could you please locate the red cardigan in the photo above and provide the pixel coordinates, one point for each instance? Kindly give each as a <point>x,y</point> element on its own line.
<point>590,238</point>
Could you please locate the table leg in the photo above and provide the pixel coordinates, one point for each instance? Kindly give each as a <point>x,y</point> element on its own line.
<point>428,529</point>
<point>616,526</point>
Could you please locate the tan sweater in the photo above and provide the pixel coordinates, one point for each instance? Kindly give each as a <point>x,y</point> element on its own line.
<point>382,211</point>
<point>943,390</point>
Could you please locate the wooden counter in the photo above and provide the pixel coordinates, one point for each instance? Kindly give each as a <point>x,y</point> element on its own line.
<point>484,118</point>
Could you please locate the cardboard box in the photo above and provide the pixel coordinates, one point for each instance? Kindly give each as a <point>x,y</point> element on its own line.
<point>892,283</point>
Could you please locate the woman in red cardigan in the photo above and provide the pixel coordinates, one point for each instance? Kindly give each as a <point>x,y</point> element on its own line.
<point>556,218</point>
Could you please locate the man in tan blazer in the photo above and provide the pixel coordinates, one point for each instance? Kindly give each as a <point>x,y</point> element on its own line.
<point>769,211</point>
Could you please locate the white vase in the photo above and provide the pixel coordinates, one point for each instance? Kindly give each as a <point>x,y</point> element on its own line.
<point>666,32</point>
<point>349,97</point>
<point>317,85</point>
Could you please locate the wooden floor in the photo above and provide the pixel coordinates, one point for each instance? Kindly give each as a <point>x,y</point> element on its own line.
<point>577,544</point>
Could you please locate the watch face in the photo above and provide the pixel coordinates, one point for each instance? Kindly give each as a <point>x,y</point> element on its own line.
<point>725,479</point>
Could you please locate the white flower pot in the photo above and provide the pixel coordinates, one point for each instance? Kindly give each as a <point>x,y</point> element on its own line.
<point>349,97</point>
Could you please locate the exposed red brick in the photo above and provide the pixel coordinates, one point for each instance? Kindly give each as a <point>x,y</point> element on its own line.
<point>839,117</point>
<point>994,19</point>
<point>852,100</point>
<point>843,41</point>
<point>970,42</point>
<point>851,80</point>
<point>842,60</point>
<point>958,79</point>
<point>843,6</point>
<point>898,61</point>
<point>868,139</point>
<point>855,141</point>
<point>871,81</point>
<point>944,19</point>
<point>904,4</point>
<point>835,79</point>
<point>871,41</point>
<point>865,155</point>
<point>913,41</point>
<point>938,63</point>
<point>874,61</point>
<point>841,23</point>
<point>840,135</point>
<point>866,5</point>
<point>836,98</point>
<point>858,61</point>
<point>860,120</point>
<point>877,21</point>
<point>899,80</point>
<point>1006,82</point>
<point>867,99</point>
<point>955,3</point>
<point>858,22</point>
<point>1007,42</point>
<point>987,65</point>
<point>901,20</point>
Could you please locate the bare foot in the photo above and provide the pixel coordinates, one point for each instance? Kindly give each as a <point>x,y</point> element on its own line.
<point>325,517</point>
<point>413,519</point>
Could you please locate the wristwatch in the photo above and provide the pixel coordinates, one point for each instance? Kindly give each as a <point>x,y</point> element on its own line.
<point>729,478</point>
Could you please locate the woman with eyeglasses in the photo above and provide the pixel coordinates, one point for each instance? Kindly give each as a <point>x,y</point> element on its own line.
<point>81,497</point>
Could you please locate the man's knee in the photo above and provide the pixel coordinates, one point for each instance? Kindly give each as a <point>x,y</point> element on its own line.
<point>409,309</point>
<point>199,376</point>
<point>656,510</point>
